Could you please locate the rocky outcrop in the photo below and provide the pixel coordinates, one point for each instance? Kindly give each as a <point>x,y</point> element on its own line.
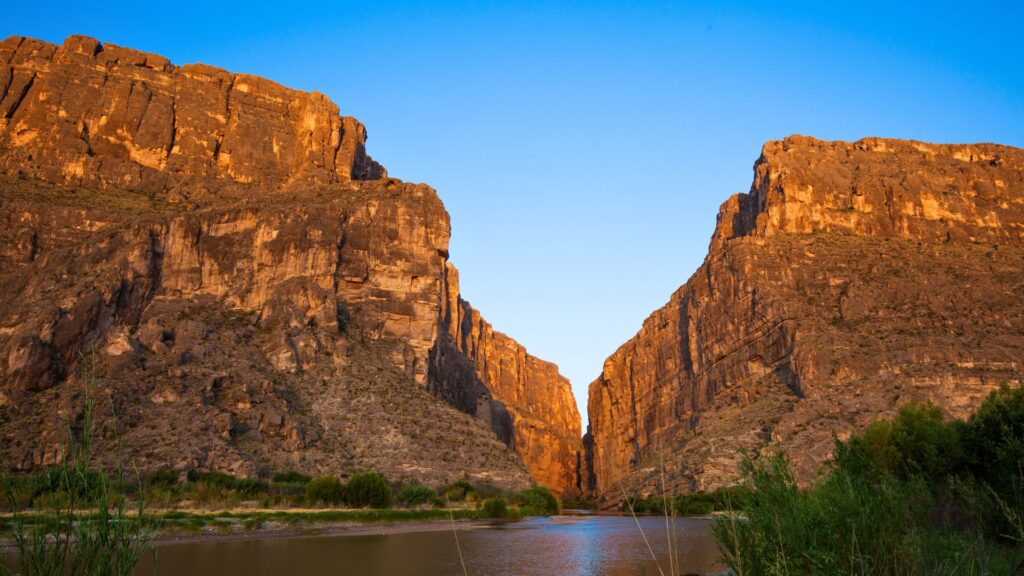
<point>214,259</point>
<point>854,277</point>
<point>524,399</point>
<point>86,113</point>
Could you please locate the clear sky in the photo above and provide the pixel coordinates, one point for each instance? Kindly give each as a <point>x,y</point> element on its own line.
<point>583,148</point>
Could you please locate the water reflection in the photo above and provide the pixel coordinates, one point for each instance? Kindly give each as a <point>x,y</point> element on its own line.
<point>583,546</point>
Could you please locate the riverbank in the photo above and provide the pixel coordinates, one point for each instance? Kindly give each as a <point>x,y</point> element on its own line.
<point>273,529</point>
<point>179,526</point>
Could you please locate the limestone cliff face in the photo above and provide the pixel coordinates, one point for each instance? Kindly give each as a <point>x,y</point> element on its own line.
<point>254,294</point>
<point>524,399</point>
<point>854,277</point>
<point>88,113</point>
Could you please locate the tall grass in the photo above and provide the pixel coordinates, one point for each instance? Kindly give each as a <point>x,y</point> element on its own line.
<point>906,497</point>
<point>89,528</point>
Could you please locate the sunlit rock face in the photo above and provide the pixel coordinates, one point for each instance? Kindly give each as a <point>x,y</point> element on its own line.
<point>852,278</point>
<point>94,114</point>
<point>254,293</point>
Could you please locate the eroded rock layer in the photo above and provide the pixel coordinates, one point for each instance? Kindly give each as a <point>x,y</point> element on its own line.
<point>854,277</point>
<point>216,261</point>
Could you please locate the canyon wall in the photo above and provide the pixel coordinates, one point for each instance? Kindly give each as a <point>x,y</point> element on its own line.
<point>852,278</point>
<point>215,259</point>
<point>524,399</point>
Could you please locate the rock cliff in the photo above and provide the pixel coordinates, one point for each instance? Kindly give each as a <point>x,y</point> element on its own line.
<point>215,259</point>
<point>852,278</point>
<point>527,403</point>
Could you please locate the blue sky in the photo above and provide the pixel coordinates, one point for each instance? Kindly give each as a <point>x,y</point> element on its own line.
<point>583,148</point>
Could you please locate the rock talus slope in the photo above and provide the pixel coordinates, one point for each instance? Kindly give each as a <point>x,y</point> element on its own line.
<point>852,278</point>
<point>252,290</point>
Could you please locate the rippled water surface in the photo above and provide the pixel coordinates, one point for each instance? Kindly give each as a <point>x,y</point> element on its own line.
<point>563,545</point>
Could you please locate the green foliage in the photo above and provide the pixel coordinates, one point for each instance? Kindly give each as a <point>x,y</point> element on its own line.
<point>415,495</point>
<point>913,496</point>
<point>458,491</point>
<point>368,490</point>
<point>688,504</point>
<point>496,507</point>
<point>88,526</point>
<point>291,477</point>
<point>917,443</point>
<point>993,447</point>
<point>163,478</point>
<point>325,490</point>
<point>538,499</point>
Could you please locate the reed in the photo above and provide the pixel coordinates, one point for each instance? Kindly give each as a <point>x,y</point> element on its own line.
<point>90,528</point>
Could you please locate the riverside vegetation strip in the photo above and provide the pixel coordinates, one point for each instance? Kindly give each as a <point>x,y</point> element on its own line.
<point>222,503</point>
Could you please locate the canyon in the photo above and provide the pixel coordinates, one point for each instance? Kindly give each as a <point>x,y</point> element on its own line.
<point>851,279</point>
<point>217,264</point>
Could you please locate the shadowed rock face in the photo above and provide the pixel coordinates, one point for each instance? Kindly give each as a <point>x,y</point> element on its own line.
<point>254,293</point>
<point>524,399</point>
<point>854,277</point>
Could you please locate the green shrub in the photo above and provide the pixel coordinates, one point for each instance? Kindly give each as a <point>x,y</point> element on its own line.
<point>163,478</point>
<point>539,499</point>
<point>917,443</point>
<point>496,507</point>
<point>458,491</point>
<point>415,495</point>
<point>250,487</point>
<point>368,490</point>
<point>928,446</point>
<point>291,477</point>
<point>218,479</point>
<point>993,444</point>
<point>325,490</point>
<point>844,526</point>
<point>913,496</point>
<point>695,504</point>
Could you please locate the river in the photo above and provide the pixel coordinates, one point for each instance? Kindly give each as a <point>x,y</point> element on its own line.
<point>561,545</point>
